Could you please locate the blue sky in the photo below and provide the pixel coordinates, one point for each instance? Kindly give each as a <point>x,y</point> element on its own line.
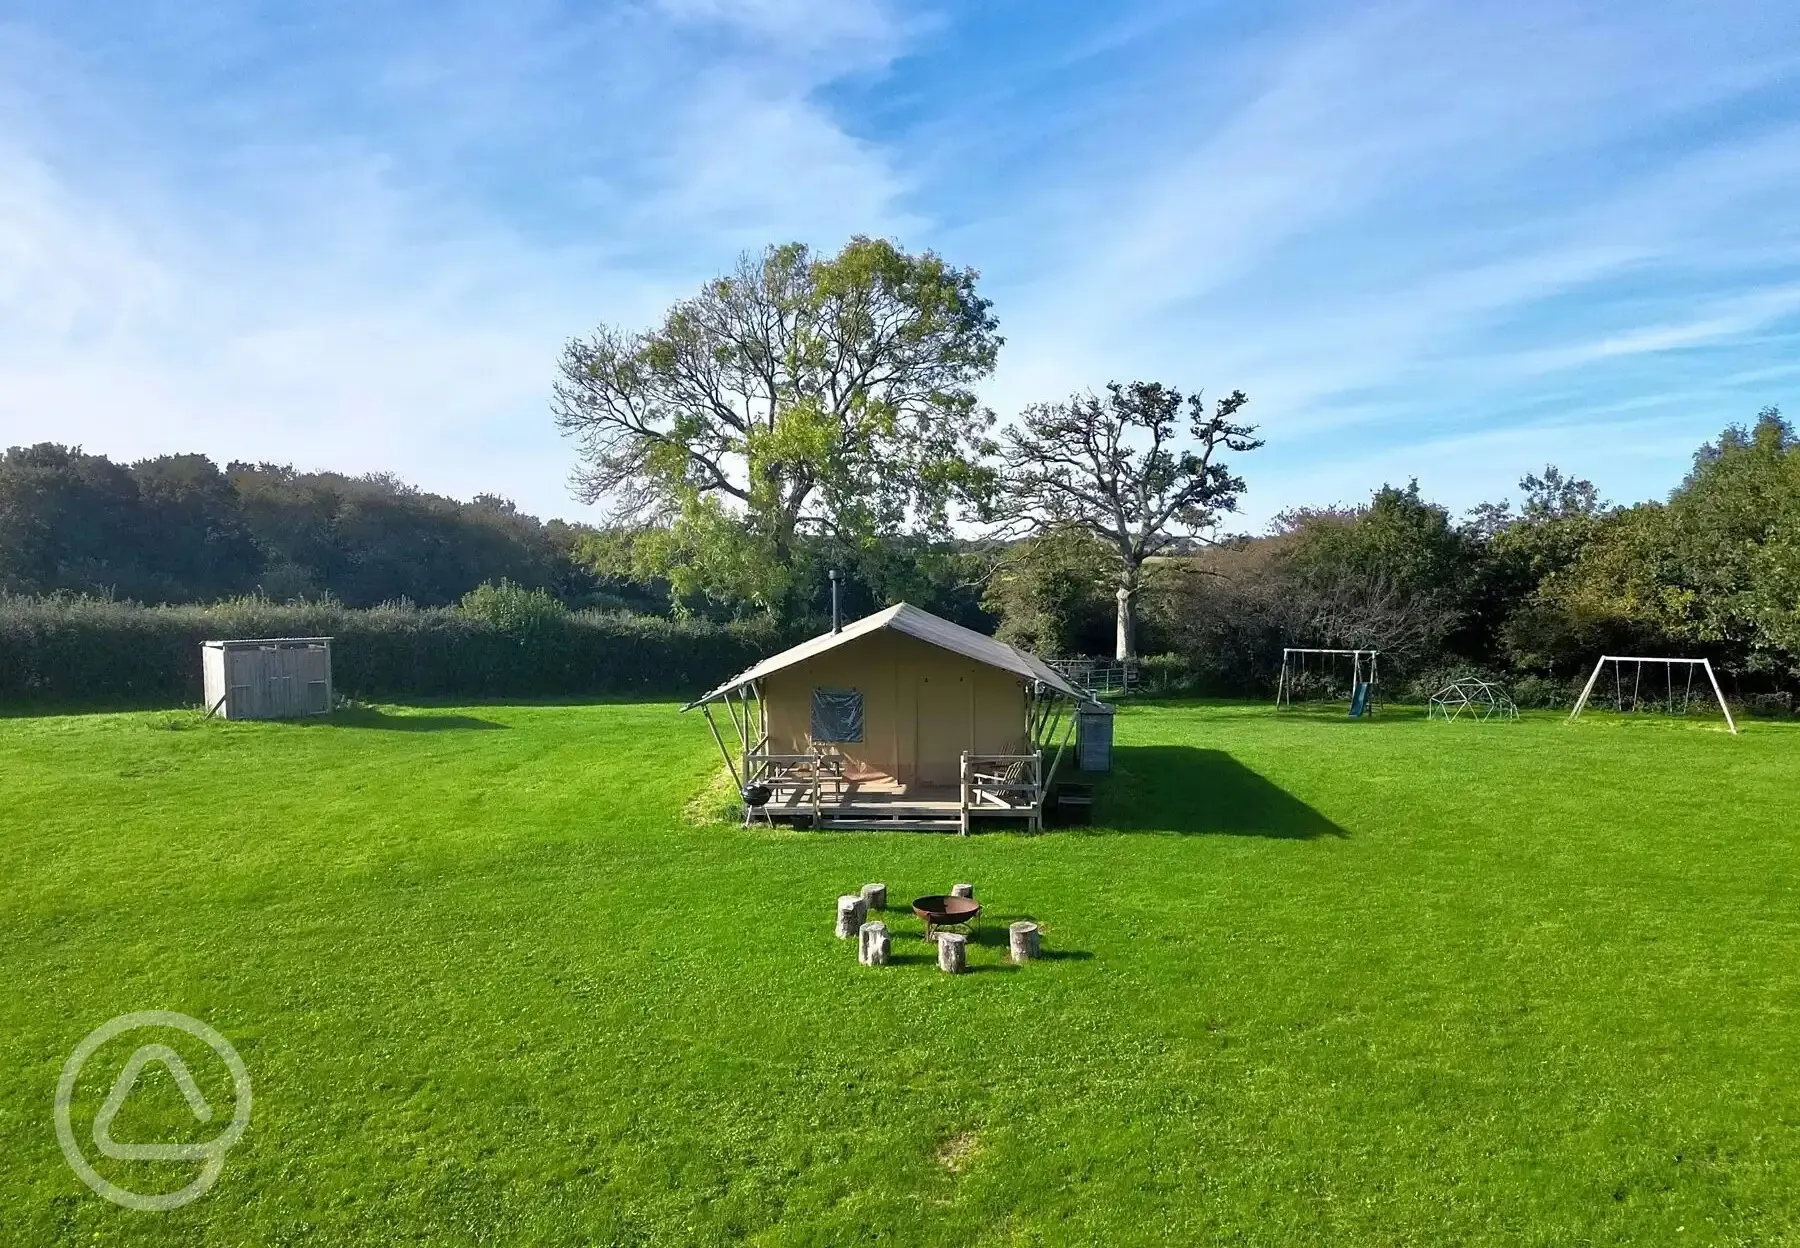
<point>1452,241</point>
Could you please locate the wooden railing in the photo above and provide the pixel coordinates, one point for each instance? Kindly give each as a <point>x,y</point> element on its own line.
<point>991,784</point>
<point>789,776</point>
<point>1002,784</point>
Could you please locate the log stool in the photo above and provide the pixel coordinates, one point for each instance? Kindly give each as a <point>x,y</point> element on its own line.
<point>1023,941</point>
<point>952,955</point>
<point>873,944</point>
<point>851,913</point>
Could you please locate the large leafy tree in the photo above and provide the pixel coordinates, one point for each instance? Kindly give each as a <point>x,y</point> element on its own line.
<point>800,402</point>
<point>69,521</point>
<point>1053,593</point>
<point>1140,467</point>
<point>1709,572</point>
<point>1395,574</point>
<point>195,543</point>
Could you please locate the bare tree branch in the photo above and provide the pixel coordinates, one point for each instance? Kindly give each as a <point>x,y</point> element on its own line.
<point>1117,466</point>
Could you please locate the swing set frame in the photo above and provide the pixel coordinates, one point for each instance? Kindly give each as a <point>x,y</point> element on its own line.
<point>1362,672</point>
<point>1619,661</point>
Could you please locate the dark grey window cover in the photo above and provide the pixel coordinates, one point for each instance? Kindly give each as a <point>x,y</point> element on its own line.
<point>837,715</point>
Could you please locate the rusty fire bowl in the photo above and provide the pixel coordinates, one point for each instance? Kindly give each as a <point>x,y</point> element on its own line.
<point>945,911</point>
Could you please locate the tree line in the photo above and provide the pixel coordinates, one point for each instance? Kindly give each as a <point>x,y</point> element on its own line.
<point>808,412</point>
<point>180,529</point>
<point>1532,593</point>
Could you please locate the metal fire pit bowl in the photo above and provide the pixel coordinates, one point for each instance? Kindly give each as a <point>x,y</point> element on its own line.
<point>946,912</point>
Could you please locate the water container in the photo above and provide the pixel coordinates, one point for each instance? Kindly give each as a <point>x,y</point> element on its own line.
<point>1094,736</point>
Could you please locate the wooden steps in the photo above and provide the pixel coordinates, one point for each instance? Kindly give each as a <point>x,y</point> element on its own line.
<point>890,812</point>
<point>844,823</point>
<point>896,817</point>
<point>882,816</point>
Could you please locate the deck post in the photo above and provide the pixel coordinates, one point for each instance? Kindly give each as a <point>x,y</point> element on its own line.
<point>963,795</point>
<point>1035,823</point>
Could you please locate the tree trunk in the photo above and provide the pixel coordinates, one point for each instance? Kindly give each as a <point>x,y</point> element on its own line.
<point>962,890</point>
<point>874,897</point>
<point>952,958</point>
<point>1127,596</point>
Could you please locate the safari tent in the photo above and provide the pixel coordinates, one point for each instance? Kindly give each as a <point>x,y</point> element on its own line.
<point>899,719</point>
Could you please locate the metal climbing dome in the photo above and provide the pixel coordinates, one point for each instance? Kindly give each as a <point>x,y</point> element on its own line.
<point>1470,697</point>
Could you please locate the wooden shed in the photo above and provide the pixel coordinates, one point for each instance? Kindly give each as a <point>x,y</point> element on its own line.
<point>900,719</point>
<point>267,678</point>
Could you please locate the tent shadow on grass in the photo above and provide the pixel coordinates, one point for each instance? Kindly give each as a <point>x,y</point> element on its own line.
<point>1183,789</point>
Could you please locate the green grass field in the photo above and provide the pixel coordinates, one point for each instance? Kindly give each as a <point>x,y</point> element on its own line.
<point>1314,982</point>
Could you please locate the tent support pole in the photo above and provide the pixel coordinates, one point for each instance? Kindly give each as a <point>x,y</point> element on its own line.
<point>732,711</point>
<point>1068,728</point>
<point>723,752</point>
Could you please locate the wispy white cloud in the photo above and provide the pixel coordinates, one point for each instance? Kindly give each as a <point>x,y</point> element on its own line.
<point>839,28</point>
<point>1426,238</point>
<point>383,287</point>
<point>1718,319</point>
<point>751,165</point>
<point>1404,221</point>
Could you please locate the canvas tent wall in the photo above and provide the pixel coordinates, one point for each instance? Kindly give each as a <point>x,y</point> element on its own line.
<point>921,708</point>
<point>927,691</point>
<point>267,678</point>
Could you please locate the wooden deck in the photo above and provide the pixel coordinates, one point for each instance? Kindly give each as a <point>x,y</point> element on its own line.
<point>884,803</point>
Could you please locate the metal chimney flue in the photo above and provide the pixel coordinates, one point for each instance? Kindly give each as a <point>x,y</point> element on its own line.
<point>837,620</point>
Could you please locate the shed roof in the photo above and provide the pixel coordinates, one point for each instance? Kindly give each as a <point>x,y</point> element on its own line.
<point>244,643</point>
<point>922,625</point>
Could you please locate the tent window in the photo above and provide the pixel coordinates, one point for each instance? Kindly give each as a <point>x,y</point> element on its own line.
<point>837,715</point>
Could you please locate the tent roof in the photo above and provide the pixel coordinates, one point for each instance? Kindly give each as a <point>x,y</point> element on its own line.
<point>922,625</point>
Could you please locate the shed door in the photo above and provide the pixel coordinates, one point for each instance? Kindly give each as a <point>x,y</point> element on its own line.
<point>946,725</point>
